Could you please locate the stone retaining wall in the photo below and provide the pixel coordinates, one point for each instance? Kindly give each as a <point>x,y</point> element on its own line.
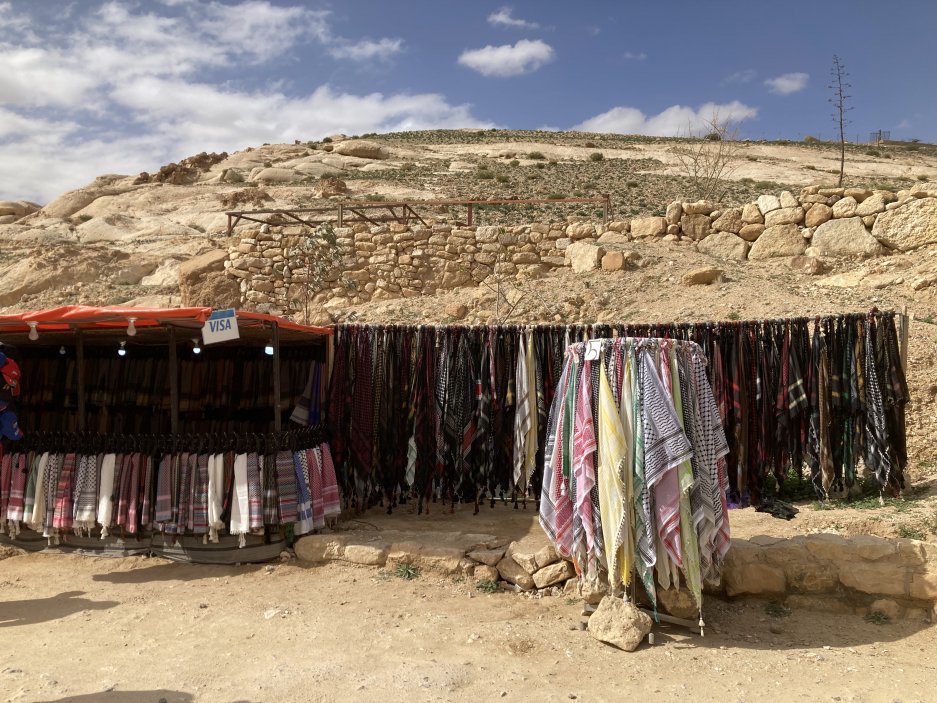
<point>398,260</point>
<point>821,571</point>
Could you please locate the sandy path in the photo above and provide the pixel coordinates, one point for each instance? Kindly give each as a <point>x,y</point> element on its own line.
<point>139,630</point>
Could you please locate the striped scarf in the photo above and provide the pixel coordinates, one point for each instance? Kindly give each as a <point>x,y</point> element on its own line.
<point>20,470</point>
<point>254,493</point>
<point>314,473</point>
<point>50,484</point>
<point>105,492</point>
<point>164,480</point>
<point>287,493</point>
<point>86,491</point>
<point>63,512</point>
<point>304,499</point>
<point>271,499</point>
<point>198,510</point>
<point>331,502</point>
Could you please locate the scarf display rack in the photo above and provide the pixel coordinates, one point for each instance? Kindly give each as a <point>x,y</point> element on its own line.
<point>169,485</point>
<point>458,413</point>
<point>634,468</point>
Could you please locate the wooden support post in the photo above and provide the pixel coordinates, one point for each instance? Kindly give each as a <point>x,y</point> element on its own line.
<point>173,383</point>
<point>341,215</point>
<point>470,208</point>
<point>605,209</point>
<point>80,361</point>
<point>277,415</point>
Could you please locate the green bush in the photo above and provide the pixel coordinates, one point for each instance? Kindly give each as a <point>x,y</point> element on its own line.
<point>535,155</point>
<point>872,152</point>
<point>555,196</point>
<point>514,162</point>
<point>922,177</point>
<point>632,184</point>
<point>596,156</point>
<point>327,140</point>
<point>501,178</point>
<point>485,175</point>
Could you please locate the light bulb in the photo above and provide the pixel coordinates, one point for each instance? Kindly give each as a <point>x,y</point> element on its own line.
<point>62,351</point>
<point>131,327</point>
<point>268,350</point>
<point>196,349</point>
<point>33,330</point>
<point>122,349</point>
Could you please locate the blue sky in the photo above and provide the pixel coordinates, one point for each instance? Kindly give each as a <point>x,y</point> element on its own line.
<point>122,86</point>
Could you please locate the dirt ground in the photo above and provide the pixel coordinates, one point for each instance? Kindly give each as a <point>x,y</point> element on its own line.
<point>140,630</point>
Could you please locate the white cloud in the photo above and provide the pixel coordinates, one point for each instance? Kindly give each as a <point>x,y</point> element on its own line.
<point>525,56</point>
<point>125,88</point>
<point>504,18</point>
<point>904,124</point>
<point>632,56</point>
<point>788,83</point>
<point>746,76</point>
<point>367,50</point>
<point>676,120</point>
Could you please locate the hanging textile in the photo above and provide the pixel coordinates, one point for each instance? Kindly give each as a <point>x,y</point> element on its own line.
<point>646,519</point>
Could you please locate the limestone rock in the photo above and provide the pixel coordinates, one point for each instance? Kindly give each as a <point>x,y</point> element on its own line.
<point>456,311</point>
<point>768,203</point>
<point>487,234</point>
<point>753,578</point>
<point>648,227</point>
<point>729,221</point>
<point>527,560</point>
<point>613,261</point>
<point>810,265</point>
<point>858,194</point>
<point>872,205</point>
<point>695,225</point>
<point>784,216</point>
<point>845,207</point>
<point>362,148</point>
<point>485,573</point>
<point>366,554</point>
<point>674,212</point>
<point>580,230</point>
<point>276,175</point>
<point>680,603</point>
<point>315,549</point>
<point>751,232</point>
<point>724,245</point>
<point>787,199</point>
<point>584,257</point>
<point>908,227</point>
<point>751,214</point>
<point>869,221</point>
<point>620,624</point>
<point>512,572</point>
<point>780,240</point>
<point>700,207</point>
<point>202,282</point>
<point>924,190</point>
<point>703,276</point>
<point>845,237</point>
<point>546,556</point>
<point>886,606</point>
<point>489,557</point>
<point>614,237</point>
<point>71,202</point>
<point>817,215</point>
<point>673,230</point>
<point>554,573</point>
<point>454,279</point>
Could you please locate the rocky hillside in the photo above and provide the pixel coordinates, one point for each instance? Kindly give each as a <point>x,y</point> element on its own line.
<point>149,239</point>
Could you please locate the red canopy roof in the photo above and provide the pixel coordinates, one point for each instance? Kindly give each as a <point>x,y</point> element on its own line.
<point>87,317</point>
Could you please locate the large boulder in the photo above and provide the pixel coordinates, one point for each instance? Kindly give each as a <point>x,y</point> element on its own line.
<point>648,227</point>
<point>845,207</point>
<point>788,200</point>
<point>702,277</point>
<point>751,214</point>
<point>767,203</point>
<point>512,572</point>
<point>908,227</point>
<point>724,245</point>
<point>785,216</point>
<point>674,212</point>
<point>872,205</point>
<point>620,624</point>
<point>818,214</point>
<point>751,232</point>
<point>729,221</point>
<point>845,237</point>
<point>695,226</point>
<point>780,240</point>
<point>362,148</point>
<point>584,257</point>
<point>700,207</point>
<point>71,202</point>
<point>276,175</point>
<point>202,282</point>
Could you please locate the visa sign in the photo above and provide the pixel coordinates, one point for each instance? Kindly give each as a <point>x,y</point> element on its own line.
<point>221,326</point>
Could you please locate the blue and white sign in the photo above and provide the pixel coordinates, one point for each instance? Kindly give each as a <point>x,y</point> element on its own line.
<point>221,326</point>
